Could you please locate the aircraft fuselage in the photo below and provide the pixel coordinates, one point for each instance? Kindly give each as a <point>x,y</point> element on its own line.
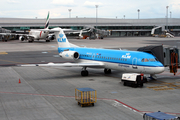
<point>126,61</point>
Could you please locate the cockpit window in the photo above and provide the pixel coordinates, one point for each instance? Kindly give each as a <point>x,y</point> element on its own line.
<point>157,59</point>
<point>144,60</point>
<point>152,60</point>
<point>149,60</point>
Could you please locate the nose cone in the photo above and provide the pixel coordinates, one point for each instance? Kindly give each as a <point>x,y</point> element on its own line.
<point>160,68</point>
<point>159,64</point>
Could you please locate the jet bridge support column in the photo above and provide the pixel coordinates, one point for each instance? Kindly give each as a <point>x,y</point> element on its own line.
<point>171,59</point>
<point>174,63</point>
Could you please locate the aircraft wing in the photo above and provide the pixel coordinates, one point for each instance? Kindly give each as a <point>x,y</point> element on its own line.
<point>27,35</point>
<point>8,34</point>
<point>78,32</point>
<point>66,65</point>
<point>32,36</point>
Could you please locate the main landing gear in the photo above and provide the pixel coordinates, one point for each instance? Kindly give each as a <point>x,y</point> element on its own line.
<point>84,72</point>
<point>107,71</point>
<point>31,40</point>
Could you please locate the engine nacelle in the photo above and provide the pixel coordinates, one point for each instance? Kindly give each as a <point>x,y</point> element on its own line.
<point>71,55</point>
<point>21,38</point>
<point>51,37</point>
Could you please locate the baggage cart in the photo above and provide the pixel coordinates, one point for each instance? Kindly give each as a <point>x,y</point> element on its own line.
<point>85,96</point>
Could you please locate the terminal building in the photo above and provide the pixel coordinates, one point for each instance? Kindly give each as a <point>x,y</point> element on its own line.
<point>117,27</point>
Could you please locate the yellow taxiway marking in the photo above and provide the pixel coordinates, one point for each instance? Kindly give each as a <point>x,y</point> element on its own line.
<point>3,53</point>
<point>154,87</point>
<point>165,86</point>
<point>10,61</point>
<point>159,89</point>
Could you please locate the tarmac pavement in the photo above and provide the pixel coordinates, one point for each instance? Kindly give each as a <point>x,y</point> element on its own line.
<point>47,93</point>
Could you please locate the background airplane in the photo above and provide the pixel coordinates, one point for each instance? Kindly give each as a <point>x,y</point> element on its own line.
<point>37,34</point>
<point>34,34</point>
<point>126,61</point>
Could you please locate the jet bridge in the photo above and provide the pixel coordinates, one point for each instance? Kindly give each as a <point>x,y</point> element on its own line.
<point>169,57</point>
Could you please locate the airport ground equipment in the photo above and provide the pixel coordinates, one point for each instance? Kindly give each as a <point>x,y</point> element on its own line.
<point>159,116</point>
<point>85,96</point>
<point>157,32</point>
<point>133,79</point>
<point>169,57</point>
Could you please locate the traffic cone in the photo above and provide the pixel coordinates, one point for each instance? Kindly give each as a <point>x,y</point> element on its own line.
<point>19,81</point>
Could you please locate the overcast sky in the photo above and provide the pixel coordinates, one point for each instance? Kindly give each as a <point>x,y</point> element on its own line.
<point>86,8</point>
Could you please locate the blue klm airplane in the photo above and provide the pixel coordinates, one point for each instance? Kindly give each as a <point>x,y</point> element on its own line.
<point>126,61</point>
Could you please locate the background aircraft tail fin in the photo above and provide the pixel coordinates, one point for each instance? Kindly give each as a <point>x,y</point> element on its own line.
<point>47,21</point>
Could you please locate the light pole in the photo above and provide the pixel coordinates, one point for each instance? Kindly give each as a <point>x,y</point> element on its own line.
<point>167,17</point>
<point>96,14</point>
<point>138,13</point>
<point>124,16</point>
<point>69,13</point>
<point>170,14</point>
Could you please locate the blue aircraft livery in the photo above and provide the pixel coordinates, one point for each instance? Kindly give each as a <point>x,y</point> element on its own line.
<point>124,61</point>
<point>116,56</point>
<point>61,39</point>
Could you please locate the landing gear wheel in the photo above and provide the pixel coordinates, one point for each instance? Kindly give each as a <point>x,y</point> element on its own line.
<point>125,84</point>
<point>47,40</point>
<point>84,73</point>
<point>141,85</point>
<point>30,41</point>
<point>107,71</point>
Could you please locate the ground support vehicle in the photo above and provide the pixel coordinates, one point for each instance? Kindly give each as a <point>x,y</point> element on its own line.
<point>133,79</point>
<point>159,116</point>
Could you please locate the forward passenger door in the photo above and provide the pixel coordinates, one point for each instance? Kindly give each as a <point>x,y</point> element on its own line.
<point>134,63</point>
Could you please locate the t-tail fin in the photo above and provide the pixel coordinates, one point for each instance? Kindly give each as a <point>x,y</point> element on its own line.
<point>61,38</point>
<point>47,21</point>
